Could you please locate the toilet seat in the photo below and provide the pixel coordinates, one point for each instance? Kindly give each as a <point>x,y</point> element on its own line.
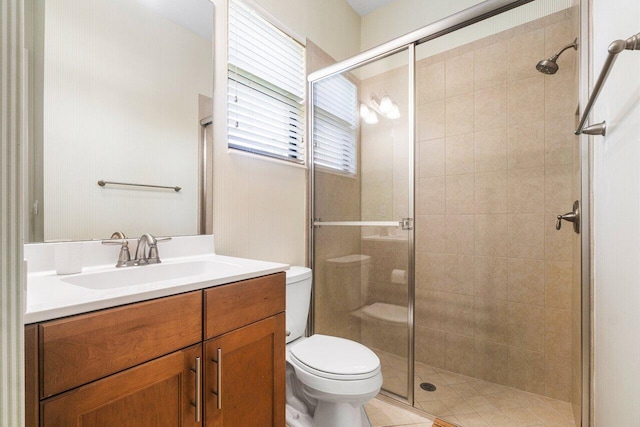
<point>334,358</point>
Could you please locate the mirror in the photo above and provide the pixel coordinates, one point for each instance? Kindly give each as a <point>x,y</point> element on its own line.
<point>117,92</point>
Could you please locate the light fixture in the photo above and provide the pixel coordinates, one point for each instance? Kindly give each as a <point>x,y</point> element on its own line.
<point>368,115</point>
<point>385,106</point>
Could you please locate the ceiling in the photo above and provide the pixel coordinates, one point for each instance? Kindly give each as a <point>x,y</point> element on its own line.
<point>365,6</point>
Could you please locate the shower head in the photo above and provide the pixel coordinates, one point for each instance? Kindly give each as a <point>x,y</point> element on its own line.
<point>547,66</point>
<point>550,65</point>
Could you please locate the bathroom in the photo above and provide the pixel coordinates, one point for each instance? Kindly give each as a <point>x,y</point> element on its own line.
<point>433,240</point>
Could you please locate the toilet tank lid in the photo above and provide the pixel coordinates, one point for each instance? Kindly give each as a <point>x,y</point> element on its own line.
<point>348,260</point>
<point>296,274</point>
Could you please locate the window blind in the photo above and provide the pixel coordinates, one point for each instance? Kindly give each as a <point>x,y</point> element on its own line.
<point>266,87</point>
<point>335,124</point>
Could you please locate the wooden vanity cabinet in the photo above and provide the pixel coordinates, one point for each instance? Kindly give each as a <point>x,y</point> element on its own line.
<point>245,365</point>
<point>158,393</point>
<point>143,364</point>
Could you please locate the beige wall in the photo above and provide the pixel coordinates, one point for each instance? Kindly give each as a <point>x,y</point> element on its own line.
<point>495,153</point>
<point>260,205</point>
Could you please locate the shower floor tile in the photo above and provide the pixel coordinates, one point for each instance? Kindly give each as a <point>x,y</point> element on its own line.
<point>470,402</point>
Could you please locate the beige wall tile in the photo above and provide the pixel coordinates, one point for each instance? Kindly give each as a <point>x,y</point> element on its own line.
<point>526,281</point>
<point>459,75</point>
<point>558,188</point>
<point>430,120</point>
<point>431,158</point>
<point>460,114</point>
<point>429,81</point>
<point>526,370</point>
<point>459,234</point>
<point>459,314</point>
<point>492,361</point>
<point>460,154</point>
<point>492,238</point>
<point>557,284</point>
<point>526,145</point>
<point>490,63</point>
<point>430,271</point>
<point>431,309</point>
<point>491,192</point>
<point>430,233</point>
<point>491,150</point>
<point>558,377</point>
<point>558,332</point>
<point>460,354</point>
<point>430,346</point>
<point>525,50</point>
<point>431,196</point>
<point>560,97</point>
<point>559,140</point>
<point>491,107</point>
<point>460,194</point>
<point>491,320</point>
<point>526,236</point>
<point>460,274</point>
<point>558,243</point>
<point>526,100</point>
<point>491,277</point>
<point>526,190</point>
<point>526,326</point>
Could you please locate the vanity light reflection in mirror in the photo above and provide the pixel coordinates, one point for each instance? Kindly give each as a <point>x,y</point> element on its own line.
<point>117,92</point>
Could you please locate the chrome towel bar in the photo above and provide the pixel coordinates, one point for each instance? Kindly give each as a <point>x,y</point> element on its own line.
<point>632,43</point>
<point>103,183</point>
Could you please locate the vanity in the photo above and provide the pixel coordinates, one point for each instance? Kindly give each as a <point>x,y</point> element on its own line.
<point>205,348</point>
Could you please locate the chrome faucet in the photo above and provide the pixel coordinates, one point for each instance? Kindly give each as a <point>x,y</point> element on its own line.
<point>146,252</point>
<point>144,257</point>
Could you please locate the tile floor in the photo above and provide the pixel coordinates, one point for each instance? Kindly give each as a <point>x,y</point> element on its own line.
<point>470,402</point>
<point>384,414</point>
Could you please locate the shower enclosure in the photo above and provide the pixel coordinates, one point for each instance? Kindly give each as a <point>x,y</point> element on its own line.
<point>441,161</point>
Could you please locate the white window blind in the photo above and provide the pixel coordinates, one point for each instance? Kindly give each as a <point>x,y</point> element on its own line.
<point>266,87</point>
<point>335,124</point>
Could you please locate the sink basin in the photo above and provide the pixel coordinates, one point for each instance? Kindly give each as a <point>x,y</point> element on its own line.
<point>131,276</point>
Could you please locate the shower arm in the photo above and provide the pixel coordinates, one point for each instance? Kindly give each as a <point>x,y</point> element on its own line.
<point>574,45</point>
<point>632,43</point>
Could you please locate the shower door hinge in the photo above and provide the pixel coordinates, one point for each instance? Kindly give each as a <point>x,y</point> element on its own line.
<point>406,223</point>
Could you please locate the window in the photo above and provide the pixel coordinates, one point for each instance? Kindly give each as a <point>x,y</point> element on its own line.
<point>266,87</point>
<point>335,124</point>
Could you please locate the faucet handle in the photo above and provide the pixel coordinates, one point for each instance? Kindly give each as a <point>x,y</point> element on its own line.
<point>124,257</point>
<point>154,256</point>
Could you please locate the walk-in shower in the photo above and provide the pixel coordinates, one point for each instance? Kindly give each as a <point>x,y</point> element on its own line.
<point>433,239</point>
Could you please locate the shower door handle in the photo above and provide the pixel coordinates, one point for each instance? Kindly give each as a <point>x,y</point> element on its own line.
<point>573,217</point>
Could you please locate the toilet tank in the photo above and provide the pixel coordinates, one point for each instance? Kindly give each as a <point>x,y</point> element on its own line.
<point>347,281</point>
<point>298,292</point>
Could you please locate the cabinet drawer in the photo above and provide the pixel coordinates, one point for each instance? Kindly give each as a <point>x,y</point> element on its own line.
<point>232,306</point>
<point>80,349</point>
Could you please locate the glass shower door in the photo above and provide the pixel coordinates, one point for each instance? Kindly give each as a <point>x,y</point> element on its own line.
<point>363,208</point>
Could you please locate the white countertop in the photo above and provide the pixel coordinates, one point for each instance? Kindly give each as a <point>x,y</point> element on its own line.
<point>50,296</point>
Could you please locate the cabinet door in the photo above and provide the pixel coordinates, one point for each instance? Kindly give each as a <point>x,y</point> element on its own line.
<point>157,393</point>
<point>244,376</point>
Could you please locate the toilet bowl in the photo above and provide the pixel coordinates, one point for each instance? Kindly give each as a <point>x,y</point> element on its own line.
<point>329,379</point>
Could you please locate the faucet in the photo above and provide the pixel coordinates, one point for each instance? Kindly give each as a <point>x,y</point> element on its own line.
<point>143,257</point>
<point>146,240</point>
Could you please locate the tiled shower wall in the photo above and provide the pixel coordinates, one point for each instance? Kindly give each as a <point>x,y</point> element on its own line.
<point>494,168</point>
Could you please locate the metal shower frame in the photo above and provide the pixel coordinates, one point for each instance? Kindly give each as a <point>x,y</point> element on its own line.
<point>409,41</point>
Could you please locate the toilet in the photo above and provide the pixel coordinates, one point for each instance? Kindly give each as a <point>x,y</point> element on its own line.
<point>329,379</point>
